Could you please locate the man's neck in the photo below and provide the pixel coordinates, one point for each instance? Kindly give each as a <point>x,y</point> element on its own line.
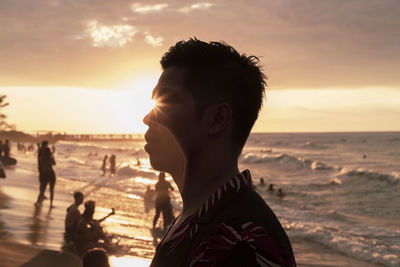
<point>203,176</point>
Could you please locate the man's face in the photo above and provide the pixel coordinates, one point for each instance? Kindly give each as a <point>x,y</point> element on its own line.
<point>174,129</point>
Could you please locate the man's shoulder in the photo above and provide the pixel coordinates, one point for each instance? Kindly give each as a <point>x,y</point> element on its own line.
<point>250,205</point>
<point>248,216</point>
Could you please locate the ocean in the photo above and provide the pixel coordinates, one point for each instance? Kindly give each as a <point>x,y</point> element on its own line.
<point>342,190</point>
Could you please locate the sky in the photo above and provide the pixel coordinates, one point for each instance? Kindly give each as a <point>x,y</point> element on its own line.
<point>90,65</point>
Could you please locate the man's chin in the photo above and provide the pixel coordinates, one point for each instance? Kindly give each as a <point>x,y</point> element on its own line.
<point>158,163</point>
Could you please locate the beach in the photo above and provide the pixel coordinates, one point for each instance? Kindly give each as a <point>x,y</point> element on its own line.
<point>26,230</point>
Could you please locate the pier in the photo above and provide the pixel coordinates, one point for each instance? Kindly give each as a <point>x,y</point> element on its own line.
<point>53,136</point>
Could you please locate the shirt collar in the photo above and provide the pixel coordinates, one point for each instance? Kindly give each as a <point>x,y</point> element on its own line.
<point>219,199</point>
<point>222,196</point>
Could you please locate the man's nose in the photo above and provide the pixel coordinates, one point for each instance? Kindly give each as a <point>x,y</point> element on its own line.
<point>149,117</point>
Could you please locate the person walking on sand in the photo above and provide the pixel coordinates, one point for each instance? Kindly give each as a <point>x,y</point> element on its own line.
<point>73,216</point>
<point>112,165</point>
<point>163,201</point>
<point>104,166</point>
<point>46,172</point>
<point>208,99</point>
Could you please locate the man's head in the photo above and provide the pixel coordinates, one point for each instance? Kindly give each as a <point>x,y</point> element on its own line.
<point>45,143</point>
<point>95,257</point>
<point>78,196</point>
<point>207,89</point>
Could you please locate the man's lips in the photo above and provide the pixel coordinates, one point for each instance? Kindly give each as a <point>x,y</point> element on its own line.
<point>150,138</point>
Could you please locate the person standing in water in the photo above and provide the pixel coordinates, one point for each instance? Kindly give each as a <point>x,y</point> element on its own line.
<point>112,165</point>
<point>104,166</point>
<point>1,148</point>
<point>163,201</point>
<point>46,172</point>
<point>7,149</point>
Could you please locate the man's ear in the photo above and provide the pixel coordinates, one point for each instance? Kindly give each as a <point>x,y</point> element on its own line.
<point>218,117</point>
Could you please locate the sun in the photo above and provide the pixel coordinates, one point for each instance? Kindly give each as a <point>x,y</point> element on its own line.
<point>133,103</point>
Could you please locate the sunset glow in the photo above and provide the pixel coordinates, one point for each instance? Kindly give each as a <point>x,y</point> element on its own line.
<point>92,70</point>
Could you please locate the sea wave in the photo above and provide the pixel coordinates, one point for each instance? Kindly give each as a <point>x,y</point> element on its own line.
<point>331,229</point>
<point>393,178</point>
<point>311,145</point>
<point>129,171</point>
<point>285,159</point>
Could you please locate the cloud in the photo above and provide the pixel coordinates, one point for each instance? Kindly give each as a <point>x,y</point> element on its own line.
<point>112,36</point>
<point>198,6</point>
<point>153,41</point>
<point>145,9</point>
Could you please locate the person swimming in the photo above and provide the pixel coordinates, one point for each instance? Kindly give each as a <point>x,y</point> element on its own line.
<point>262,183</point>
<point>271,188</point>
<point>280,193</point>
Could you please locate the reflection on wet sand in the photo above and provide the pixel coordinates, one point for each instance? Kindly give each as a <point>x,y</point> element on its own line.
<point>39,226</point>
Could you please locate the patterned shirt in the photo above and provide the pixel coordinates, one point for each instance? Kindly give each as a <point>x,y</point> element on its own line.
<point>234,227</point>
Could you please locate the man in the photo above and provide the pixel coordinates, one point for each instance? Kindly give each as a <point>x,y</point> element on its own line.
<point>163,201</point>
<point>73,216</point>
<point>208,98</point>
<point>46,172</point>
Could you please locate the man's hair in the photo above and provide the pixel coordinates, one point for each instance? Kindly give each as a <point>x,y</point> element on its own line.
<point>78,194</point>
<point>216,73</point>
<point>95,257</point>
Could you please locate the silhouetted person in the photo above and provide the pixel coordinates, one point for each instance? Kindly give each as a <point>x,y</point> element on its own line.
<point>46,172</point>
<point>6,149</point>
<point>104,166</point>
<point>95,257</point>
<point>149,194</point>
<point>208,98</point>
<point>262,183</point>
<point>53,148</point>
<point>271,188</point>
<point>163,201</point>
<point>88,230</point>
<point>364,156</point>
<point>73,216</point>
<point>112,164</point>
<point>280,193</point>
<point>2,171</point>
